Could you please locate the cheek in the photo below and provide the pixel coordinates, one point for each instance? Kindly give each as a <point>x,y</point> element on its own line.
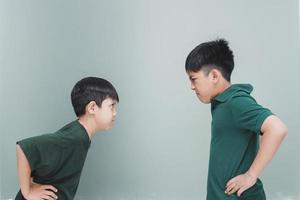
<point>204,93</point>
<point>200,88</point>
<point>105,116</point>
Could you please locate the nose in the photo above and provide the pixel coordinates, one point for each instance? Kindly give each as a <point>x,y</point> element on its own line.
<point>192,86</point>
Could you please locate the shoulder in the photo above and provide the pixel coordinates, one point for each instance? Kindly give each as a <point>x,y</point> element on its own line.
<point>241,100</point>
<point>43,139</point>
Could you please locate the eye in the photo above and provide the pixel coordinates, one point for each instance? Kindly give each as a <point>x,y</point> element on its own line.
<point>112,106</point>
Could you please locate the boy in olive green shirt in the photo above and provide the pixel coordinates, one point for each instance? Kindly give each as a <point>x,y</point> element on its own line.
<point>50,165</point>
<point>237,157</point>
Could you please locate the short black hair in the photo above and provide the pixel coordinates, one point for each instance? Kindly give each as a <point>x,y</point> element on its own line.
<point>210,55</point>
<point>91,89</point>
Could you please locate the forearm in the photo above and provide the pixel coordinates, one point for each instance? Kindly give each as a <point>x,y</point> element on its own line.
<point>270,142</point>
<point>273,131</point>
<point>24,171</point>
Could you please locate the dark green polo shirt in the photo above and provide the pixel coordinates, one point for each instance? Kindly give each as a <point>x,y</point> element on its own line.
<point>235,130</point>
<point>58,158</point>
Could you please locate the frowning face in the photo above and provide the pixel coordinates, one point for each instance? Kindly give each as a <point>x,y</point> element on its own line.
<point>203,84</point>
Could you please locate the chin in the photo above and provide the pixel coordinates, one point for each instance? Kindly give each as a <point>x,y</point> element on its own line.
<point>109,127</point>
<point>204,101</point>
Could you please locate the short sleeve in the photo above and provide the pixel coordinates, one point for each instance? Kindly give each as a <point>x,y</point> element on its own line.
<point>248,114</point>
<point>31,150</point>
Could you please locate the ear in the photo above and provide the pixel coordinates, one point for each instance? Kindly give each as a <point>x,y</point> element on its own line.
<point>215,75</point>
<point>91,107</point>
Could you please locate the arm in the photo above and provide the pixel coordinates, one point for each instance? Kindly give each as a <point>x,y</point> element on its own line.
<point>273,132</point>
<point>24,171</point>
<point>29,189</point>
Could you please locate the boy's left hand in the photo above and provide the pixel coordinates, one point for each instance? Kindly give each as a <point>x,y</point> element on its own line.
<point>240,183</point>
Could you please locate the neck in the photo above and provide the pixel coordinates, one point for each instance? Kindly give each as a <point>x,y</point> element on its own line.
<point>223,86</point>
<point>88,125</point>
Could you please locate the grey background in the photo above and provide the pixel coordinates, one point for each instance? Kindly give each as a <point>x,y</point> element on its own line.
<point>158,149</point>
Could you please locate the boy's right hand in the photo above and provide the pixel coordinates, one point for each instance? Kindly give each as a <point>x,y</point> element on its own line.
<point>41,192</point>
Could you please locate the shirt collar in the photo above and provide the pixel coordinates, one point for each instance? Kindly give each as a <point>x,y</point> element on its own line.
<point>233,89</point>
<point>84,134</point>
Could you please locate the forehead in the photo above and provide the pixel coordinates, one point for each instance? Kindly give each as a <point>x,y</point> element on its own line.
<point>109,101</point>
<point>196,74</point>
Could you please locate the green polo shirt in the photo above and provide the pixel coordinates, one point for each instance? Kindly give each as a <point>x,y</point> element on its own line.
<point>235,130</point>
<point>57,158</point>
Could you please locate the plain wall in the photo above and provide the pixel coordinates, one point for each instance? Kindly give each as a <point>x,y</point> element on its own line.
<point>159,147</point>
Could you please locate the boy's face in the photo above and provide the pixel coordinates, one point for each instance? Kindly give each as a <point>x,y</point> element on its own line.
<point>204,85</point>
<point>106,114</point>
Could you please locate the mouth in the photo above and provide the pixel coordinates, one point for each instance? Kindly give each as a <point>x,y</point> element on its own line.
<point>198,95</point>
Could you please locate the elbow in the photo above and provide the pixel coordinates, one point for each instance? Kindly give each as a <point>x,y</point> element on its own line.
<point>284,131</point>
<point>280,130</point>
<point>274,126</point>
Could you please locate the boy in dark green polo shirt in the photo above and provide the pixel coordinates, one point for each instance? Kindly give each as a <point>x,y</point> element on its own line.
<point>237,157</point>
<point>50,165</point>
